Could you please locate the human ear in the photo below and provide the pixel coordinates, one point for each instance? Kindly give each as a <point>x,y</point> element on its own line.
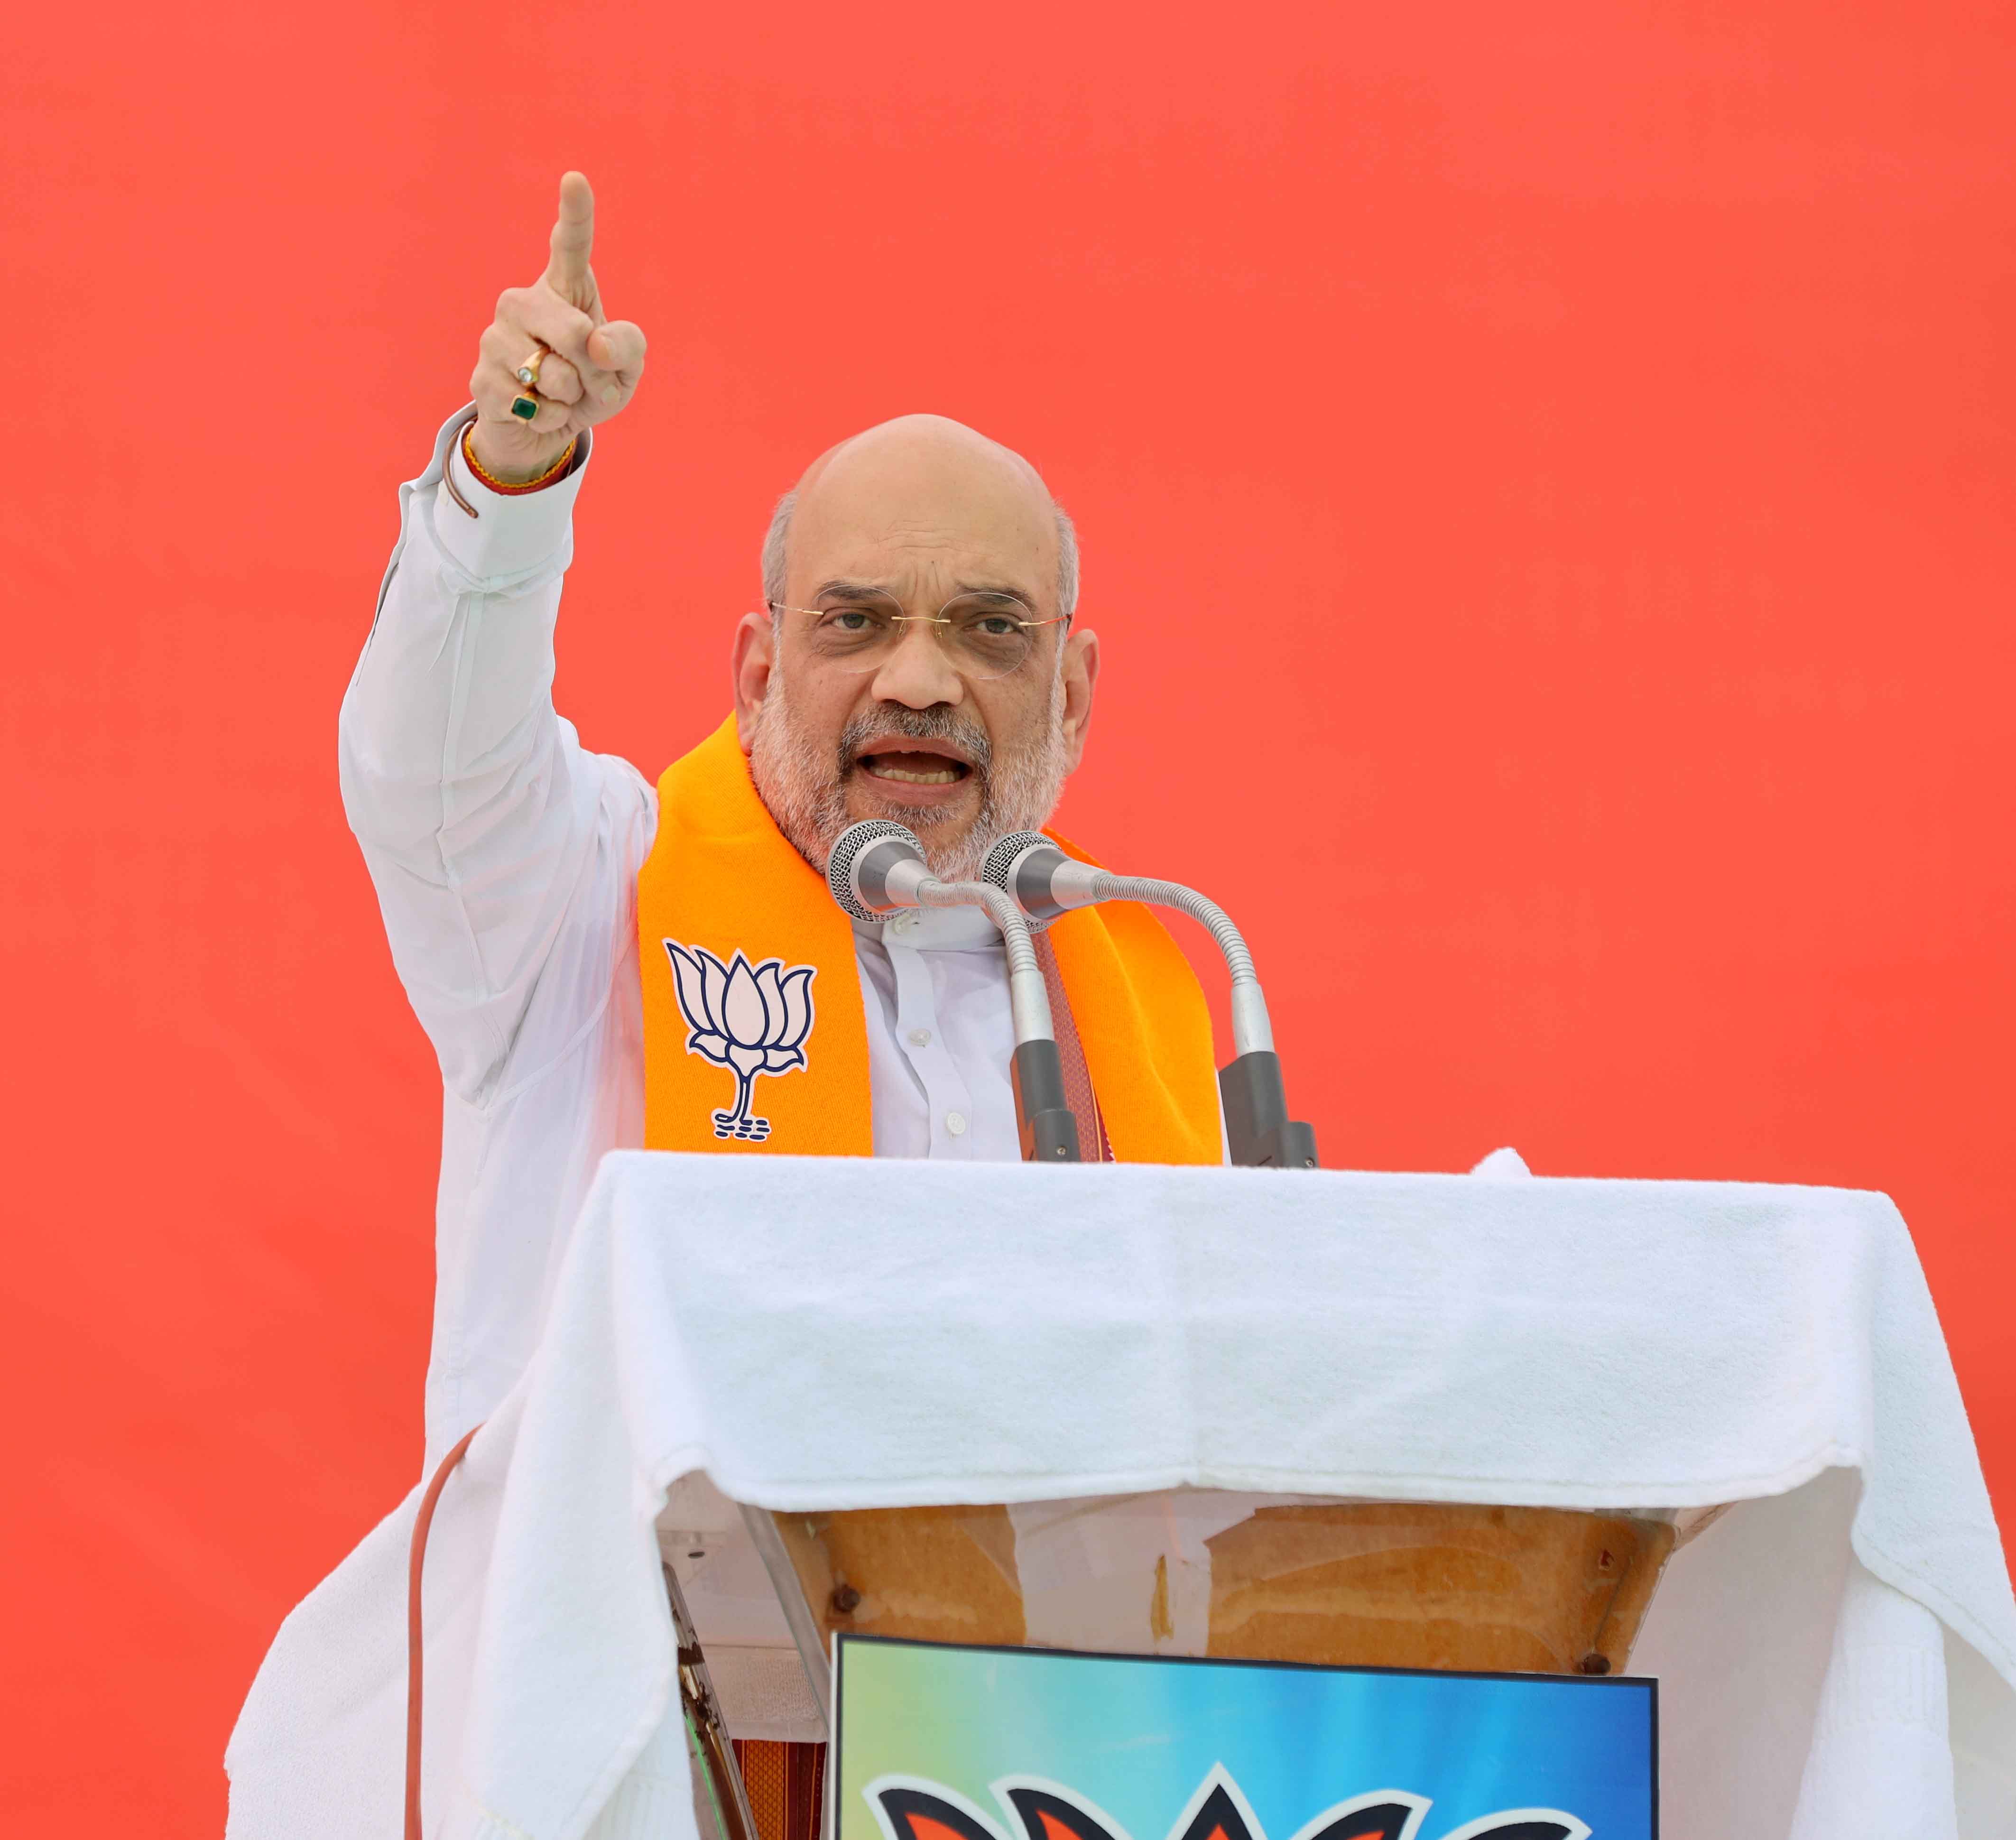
<point>1080,669</point>
<point>753,658</point>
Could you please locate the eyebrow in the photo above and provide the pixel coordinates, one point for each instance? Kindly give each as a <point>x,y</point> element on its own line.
<point>844,589</point>
<point>984,591</point>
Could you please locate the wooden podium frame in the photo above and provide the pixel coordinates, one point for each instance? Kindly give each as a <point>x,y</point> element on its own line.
<point>1442,1586</point>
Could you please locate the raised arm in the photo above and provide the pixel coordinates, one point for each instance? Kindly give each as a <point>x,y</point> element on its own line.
<point>499,848</point>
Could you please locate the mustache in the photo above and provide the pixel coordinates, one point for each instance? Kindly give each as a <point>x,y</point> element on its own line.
<point>939,722</point>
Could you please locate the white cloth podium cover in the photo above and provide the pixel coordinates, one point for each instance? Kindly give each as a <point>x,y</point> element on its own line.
<point>1839,1652</point>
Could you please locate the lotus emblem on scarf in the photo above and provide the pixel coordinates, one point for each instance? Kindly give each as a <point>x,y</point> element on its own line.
<point>751,1019</point>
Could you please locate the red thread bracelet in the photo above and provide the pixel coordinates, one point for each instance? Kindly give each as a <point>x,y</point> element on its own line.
<point>545,479</point>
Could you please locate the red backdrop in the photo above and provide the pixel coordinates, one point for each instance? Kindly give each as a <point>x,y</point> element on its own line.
<point>1545,477</point>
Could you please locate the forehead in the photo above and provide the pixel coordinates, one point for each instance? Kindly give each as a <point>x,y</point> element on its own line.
<point>932,513</point>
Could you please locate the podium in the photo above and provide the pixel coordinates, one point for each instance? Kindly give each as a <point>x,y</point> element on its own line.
<point>1440,1422</point>
<point>1419,1423</point>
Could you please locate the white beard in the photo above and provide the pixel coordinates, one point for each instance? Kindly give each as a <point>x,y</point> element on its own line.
<point>804,783</point>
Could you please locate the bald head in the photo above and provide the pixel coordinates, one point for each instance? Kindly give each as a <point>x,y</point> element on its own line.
<point>923,494</point>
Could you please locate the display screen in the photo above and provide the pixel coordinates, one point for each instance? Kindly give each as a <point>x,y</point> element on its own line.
<point>939,1742</point>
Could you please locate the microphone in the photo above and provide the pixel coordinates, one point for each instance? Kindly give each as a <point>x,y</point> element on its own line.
<point>877,866</point>
<point>1044,883</point>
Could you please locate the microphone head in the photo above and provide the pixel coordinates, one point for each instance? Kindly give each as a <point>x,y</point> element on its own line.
<point>857,872</point>
<point>1022,863</point>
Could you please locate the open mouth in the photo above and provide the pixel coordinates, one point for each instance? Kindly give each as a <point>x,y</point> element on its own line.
<point>925,764</point>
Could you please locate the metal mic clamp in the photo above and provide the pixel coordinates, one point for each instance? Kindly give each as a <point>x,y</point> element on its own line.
<point>877,866</point>
<point>1044,1120</point>
<point>1258,1131</point>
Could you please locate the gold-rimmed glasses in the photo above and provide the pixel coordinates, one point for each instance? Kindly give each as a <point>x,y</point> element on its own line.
<point>985,634</point>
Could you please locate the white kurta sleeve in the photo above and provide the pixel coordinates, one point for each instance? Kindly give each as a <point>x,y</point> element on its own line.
<point>504,854</point>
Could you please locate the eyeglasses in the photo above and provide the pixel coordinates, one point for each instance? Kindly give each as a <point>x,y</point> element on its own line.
<point>984,635</point>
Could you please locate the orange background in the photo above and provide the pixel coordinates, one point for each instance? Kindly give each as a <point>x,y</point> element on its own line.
<point>1545,475</point>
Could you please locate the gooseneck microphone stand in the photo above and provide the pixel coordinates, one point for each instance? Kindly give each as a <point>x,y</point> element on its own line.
<point>1044,883</point>
<point>878,866</point>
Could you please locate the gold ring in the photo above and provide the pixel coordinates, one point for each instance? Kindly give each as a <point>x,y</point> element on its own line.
<point>528,373</point>
<point>524,407</point>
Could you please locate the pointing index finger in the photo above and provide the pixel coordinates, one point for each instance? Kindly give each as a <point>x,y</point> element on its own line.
<point>573,237</point>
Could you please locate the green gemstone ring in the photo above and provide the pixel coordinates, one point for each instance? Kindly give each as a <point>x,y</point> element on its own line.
<point>523,408</point>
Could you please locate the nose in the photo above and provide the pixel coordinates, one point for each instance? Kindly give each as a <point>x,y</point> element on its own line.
<point>917,673</point>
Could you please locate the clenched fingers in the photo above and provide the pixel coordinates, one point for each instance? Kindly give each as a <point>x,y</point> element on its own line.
<point>508,348</point>
<point>541,316</point>
<point>559,379</point>
<point>494,388</point>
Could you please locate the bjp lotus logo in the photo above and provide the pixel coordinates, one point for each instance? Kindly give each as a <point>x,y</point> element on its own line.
<point>751,1019</point>
<point>915,1807</point>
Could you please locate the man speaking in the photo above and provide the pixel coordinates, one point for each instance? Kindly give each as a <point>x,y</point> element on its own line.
<point>592,958</point>
<point>601,964</point>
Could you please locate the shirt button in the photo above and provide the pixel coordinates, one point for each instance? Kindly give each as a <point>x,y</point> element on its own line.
<point>903,924</point>
<point>921,1037</point>
<point>955,1123</point>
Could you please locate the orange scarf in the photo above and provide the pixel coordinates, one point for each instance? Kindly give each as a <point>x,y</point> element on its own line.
<point>754,1036</point>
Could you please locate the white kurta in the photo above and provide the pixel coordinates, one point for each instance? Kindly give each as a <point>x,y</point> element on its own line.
<point>506,858</point>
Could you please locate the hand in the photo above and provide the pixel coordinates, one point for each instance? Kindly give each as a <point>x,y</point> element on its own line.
<point>592,363</point>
